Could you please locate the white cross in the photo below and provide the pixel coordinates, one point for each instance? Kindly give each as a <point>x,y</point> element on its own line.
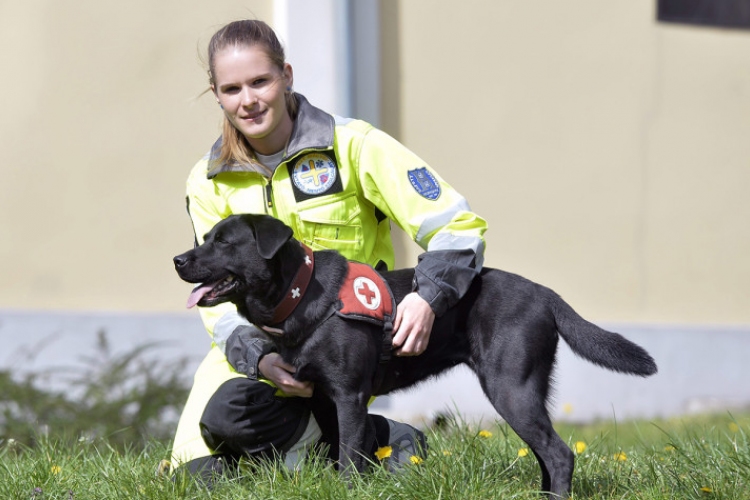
<point>307,260</point>
<point>295,293</point>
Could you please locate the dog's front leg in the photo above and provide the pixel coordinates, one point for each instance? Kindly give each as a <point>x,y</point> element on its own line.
<point>353,429</point>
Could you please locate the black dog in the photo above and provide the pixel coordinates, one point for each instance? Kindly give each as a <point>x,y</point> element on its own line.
<point>505,328</point>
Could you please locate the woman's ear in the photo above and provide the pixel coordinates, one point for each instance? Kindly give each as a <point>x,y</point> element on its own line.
<point>288,75</point>
<point>216,96</point>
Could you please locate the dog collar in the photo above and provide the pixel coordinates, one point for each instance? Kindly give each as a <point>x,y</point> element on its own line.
<point>296,290</point>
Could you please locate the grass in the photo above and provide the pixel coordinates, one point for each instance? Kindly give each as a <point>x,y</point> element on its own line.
<point>699,457</point>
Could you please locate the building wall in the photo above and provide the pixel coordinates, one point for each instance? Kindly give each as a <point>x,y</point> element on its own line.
<point>101,122</point>
<point>608,152</point>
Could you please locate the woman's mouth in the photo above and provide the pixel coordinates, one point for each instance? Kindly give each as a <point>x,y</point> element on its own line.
<point>254,116</point>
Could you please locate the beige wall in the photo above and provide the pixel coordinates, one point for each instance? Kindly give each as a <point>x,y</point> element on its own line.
<point>609,153</point>
<point>99,128</point>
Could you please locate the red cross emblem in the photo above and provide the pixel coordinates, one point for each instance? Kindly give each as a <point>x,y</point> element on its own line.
<point>367,293</point>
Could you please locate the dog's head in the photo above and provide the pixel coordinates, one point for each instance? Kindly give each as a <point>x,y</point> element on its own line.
<point>237,260</point>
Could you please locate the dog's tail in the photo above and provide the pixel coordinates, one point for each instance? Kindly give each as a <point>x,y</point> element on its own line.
<point>607,349</point>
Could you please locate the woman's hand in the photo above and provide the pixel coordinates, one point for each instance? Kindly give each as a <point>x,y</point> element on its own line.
<point>281,373</point>
<point>413,325</point>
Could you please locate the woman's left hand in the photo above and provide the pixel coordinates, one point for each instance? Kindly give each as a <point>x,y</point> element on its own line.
<point>413,325</point>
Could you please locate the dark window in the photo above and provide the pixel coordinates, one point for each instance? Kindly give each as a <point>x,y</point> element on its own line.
<point>721,13</point>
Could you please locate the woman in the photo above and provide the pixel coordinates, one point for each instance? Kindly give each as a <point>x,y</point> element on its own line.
<point>338,183</point>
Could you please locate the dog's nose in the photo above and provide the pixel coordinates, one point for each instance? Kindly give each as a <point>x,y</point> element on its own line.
<point>180,261</point>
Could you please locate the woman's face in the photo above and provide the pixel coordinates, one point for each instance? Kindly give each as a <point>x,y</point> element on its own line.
<point>250,88</point>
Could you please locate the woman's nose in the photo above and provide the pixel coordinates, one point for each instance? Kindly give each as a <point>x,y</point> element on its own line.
<point>248,97</point>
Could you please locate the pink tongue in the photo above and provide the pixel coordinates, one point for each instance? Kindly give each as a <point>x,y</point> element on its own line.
<point>197,294</point>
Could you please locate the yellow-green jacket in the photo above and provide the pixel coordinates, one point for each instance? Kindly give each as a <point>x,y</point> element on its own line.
<point>339,185</point>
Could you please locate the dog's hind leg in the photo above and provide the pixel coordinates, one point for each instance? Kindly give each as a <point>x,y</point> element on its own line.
<point>521,402</point>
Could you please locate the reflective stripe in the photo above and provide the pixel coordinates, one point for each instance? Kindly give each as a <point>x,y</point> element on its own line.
<point>225,326</point>
<point>440,220</point>
<point>342,121</point>
<point>443,241</point>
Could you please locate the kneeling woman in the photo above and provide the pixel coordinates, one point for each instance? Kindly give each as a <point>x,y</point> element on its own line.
<point>338,183</point>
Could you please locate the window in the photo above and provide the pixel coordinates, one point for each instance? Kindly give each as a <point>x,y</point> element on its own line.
<point>720,13</point>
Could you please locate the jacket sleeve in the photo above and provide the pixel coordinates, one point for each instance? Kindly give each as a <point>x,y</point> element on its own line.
<point>223,322</point>
<point>244,348</point>
<point>434,214</point>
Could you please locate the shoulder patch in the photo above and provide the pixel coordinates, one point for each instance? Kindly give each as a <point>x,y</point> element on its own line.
<point>424,183</point>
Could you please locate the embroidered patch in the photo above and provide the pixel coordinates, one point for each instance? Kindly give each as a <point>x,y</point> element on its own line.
<point>367,293</point>
<point>424,183</point>
<point>314,173</point>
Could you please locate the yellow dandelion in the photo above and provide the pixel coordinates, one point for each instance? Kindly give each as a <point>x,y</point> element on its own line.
<point>620,457</point>
<point>567,408</point>
<point>522,452</point>
<point>55,469</point>
<point>383,452</point>
<point>580,447</point>
<point>485,434</point>
<point>669,447</point>
<point>415,460</point>
<point>706,489</point>
<point>447,453</point>
<point>733,427</point>
<point>163,468</point>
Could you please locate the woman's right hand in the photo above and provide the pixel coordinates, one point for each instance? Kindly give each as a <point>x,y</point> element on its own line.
<point>281,373</point>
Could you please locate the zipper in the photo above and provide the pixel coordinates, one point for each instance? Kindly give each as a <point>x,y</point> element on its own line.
<point>269,195</point>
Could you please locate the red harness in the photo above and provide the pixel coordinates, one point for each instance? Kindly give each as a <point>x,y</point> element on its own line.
<point>366,296</point>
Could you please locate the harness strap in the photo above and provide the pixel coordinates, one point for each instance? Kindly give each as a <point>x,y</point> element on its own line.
<point>385,354</point>
<point>365,296</point>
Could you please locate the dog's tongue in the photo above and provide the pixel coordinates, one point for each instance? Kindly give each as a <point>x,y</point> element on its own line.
<point>197,294</point>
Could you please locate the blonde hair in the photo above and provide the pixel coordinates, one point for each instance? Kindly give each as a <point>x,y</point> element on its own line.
<point>235,149</point>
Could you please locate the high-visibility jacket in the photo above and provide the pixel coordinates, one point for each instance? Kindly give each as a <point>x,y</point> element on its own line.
<point>339,185</point>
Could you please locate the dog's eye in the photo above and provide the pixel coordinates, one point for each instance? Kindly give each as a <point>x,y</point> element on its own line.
<point>219,239</point>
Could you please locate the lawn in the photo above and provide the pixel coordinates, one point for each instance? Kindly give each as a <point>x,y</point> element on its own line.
<point>704,457</point>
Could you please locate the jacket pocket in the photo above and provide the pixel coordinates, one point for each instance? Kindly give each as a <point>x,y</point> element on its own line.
<point>333,226</point>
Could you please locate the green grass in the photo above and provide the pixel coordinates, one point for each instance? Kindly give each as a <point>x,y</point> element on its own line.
<point>699,457</point>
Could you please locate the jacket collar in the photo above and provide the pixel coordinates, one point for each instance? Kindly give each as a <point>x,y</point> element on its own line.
<point>313,129</point>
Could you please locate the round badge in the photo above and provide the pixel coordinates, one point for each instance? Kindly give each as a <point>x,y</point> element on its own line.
<point>367,293</point>
<point>314,173</point>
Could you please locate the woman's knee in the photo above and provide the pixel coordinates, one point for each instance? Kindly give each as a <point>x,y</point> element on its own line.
<point>244,417</point>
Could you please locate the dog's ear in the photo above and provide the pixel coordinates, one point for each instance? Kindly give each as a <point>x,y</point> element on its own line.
<point>270,234</point>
